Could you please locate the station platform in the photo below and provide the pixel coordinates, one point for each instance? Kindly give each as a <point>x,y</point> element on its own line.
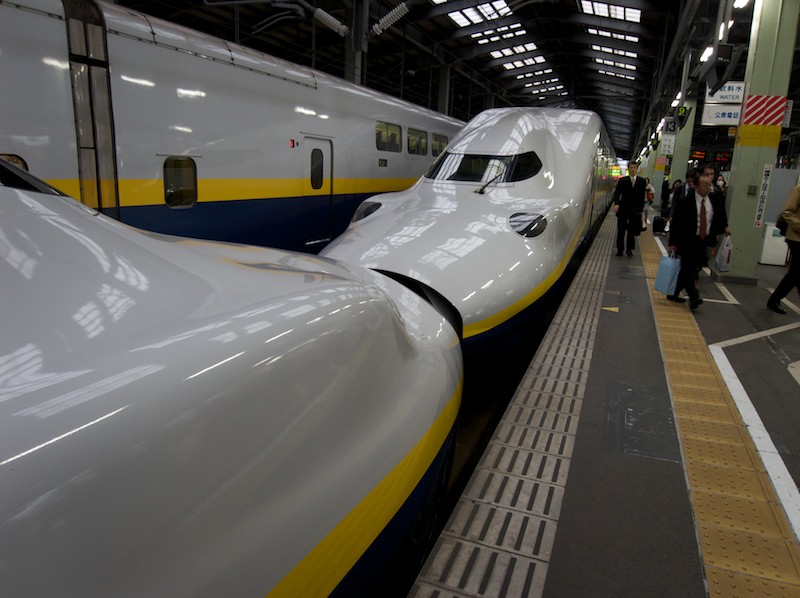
<point>649,450</point>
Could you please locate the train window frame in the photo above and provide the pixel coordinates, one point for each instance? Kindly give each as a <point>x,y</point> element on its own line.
<point>14,177</point>
<point>180,180</point>
<point>417,142</point>
<point>316,170</point>
<point>480,168</point>
<point>16,160</point>
<point>526,165</point>
<point>388,137</point>
<point>438,143</point>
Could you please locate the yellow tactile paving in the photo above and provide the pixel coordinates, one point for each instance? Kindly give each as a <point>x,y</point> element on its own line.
<point>747,544</point>
<point>735,512</point>
<point>725,480</point>
<point>707,429</point>
<point>729,583</point>
<point>753,554</point>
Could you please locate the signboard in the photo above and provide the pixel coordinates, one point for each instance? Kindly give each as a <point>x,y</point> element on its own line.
<point>762,196</point>
<point>721,158</point>
<point>764,110</point>
<point>730,93</point>
<point>721,115</point>
<point>668,144</point>
<point>682,115</point>
<point>787,116</point>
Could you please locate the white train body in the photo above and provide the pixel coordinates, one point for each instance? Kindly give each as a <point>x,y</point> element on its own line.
<point>188,418</point>
<point>183,133</point>
<point>550,170</point>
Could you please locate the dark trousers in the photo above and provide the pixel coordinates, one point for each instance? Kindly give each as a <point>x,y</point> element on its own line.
<point>630,224</point>
<point>792,278</point>
<point>693,258</point>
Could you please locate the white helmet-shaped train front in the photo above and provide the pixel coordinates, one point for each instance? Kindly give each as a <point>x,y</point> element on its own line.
<point>494,223</point>
<point>186,418</point>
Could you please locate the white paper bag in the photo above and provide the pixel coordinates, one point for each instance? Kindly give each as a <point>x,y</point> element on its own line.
<point>724,255</point>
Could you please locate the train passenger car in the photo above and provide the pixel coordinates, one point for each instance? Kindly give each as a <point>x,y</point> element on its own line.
<point>174,131</point>
<point>494,223</point>
<point>192,418</point>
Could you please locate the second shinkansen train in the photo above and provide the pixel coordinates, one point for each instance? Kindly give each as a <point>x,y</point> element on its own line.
<point>494,224</point>
<point>174,131</point>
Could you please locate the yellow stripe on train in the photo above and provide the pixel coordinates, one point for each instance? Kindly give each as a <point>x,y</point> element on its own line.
<point>534,295</point>
<point>325,566</point>
<point>150,192</point>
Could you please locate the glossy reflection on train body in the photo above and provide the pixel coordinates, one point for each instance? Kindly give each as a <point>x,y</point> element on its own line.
<point>187,418</point>
<point>496,220</point>
<point>175,131</point>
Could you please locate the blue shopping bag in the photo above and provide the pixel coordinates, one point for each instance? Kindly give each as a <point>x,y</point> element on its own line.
<point>667,275</point>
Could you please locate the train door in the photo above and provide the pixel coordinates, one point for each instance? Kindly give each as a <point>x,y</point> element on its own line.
<point>91,95</point>
<point>318,189</point>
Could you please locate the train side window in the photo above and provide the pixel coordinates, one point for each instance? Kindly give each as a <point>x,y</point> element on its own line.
<point>316,168</point>
<point>15,160</point>
<point>525,166</point>
<point>417,142</point>
<point>180,182</point>
<point>388,137</point>
<point>438,143</point>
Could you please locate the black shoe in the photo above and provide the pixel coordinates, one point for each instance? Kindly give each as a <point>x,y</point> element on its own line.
<point>619,253</point>
<point>629,253</point>
<point>695,303</point>
<point>776,307</point>
<point>676,299</point>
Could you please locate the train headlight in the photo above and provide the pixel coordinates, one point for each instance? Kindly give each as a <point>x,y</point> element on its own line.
<point>528,225</point>
<point>365,209</point>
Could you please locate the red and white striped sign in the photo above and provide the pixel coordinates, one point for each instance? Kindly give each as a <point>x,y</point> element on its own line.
<point>764,110</point>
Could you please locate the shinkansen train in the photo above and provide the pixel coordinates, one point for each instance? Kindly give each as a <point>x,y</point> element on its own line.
<point>174,131</point>
<point>494,223</point>
<point>202,419</point>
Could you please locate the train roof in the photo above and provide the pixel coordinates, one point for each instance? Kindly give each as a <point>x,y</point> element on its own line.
<point>509,131</point>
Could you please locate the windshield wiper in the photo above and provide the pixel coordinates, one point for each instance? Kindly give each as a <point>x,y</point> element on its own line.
<point>482,190</point>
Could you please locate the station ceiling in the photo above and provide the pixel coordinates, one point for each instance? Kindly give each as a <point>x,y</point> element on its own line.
<point>624,60</point>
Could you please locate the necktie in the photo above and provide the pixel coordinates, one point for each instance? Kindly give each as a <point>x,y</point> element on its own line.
<point>702,218</point>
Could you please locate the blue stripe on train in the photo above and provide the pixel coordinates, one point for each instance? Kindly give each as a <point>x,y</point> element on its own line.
<point>296,223</point>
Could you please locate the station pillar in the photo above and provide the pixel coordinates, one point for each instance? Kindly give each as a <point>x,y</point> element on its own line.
<point>683,143</point>
<point>658,165</point>
<point>769,65</point>
<point>657,172</point>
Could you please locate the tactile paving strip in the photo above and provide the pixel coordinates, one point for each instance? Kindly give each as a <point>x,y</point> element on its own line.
<point>500,536</point>
<point>747,545</point>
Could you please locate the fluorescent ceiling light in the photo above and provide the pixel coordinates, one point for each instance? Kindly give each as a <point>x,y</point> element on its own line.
<point>613,35</point>
<point>613,11</point>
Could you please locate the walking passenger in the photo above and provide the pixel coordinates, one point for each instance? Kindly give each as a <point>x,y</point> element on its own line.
<point>698,218</point>
<point>791,213</point>
<point>628,206</point>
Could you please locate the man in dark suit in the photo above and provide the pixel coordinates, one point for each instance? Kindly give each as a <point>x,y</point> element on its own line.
<point>683,190</point>
<point>698,218</point>
<point>628,206</point>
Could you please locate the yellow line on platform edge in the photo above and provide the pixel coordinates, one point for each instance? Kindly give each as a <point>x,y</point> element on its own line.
<point>746,542</point>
